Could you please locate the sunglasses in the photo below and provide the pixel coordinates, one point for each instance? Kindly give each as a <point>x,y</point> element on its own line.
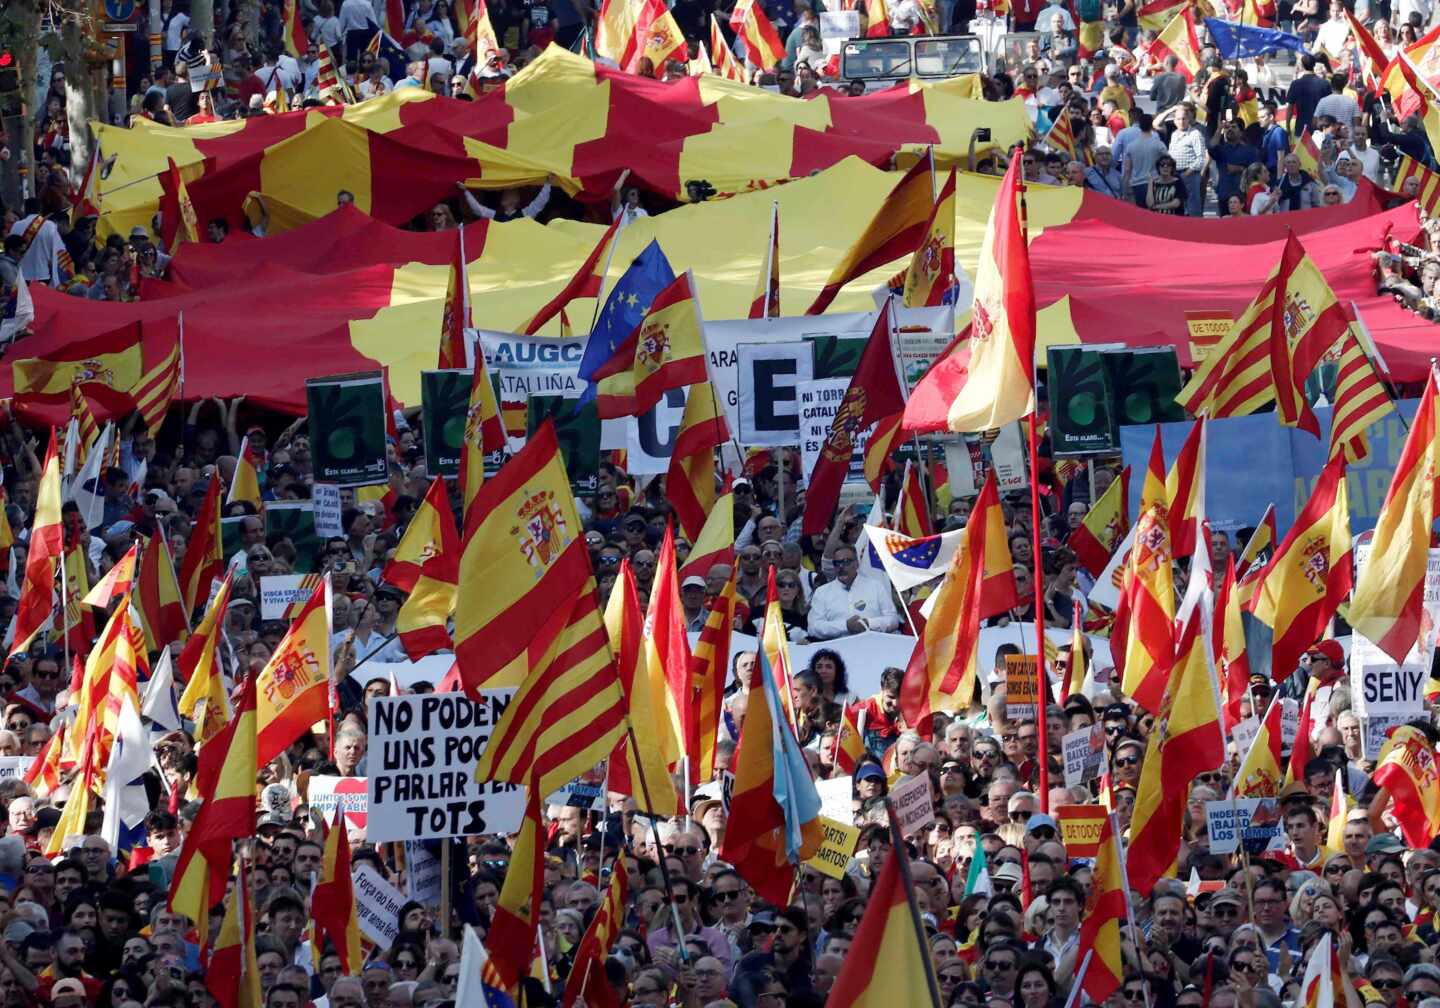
<point>1127,761</point>
<point>727,897</point>
<point>1385,984</point>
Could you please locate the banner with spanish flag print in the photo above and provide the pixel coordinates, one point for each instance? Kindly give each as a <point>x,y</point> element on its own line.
<point>292,691</point>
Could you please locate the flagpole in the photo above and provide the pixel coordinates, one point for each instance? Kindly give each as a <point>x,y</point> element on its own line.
<point>654,830</point>
<point>897,353</point>
<point>605,275</point>
<point>1129,910</point>
<point>1079,979</point>
<point>897,844</point>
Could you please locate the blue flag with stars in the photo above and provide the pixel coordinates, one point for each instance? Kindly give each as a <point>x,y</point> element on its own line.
<point>624,309</point>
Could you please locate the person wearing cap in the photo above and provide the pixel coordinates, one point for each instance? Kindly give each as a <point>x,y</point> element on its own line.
<point>692,602</point>
<point>850,604</point>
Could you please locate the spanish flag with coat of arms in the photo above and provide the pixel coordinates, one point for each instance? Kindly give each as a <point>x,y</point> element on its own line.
<point>293,689</point>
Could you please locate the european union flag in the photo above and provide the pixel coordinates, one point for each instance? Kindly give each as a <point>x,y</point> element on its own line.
<point>1238,41</point>
<point>624,309</point>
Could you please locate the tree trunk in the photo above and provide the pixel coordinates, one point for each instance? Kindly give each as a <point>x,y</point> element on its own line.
<point>202,20</point>
<point>21,24</point>
<point>84,100</point>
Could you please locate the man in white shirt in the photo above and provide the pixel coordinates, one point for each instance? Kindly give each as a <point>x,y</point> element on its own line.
<point>850,604</point>
<point>41,260</point>
<point>1333,34</point>
<point>1361,151</point>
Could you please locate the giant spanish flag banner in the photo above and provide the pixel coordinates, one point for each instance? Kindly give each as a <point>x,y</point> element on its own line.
<point>1407,772</point>
<point>293,689</point>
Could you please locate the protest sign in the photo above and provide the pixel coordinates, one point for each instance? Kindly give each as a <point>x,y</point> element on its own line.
<point>1080,827</point>
<point>295,520</point>
<point>819,402</point>
<point>444,413</point>
<point>423,753</point>
<point>650,437</point>
<point>1206,328</point>
<point>580,794</point>
<point>350,795</point>
<point>1289,721</point>
<point>1022,688</point>
<point>1084,750</point>
<point>1007,455</point>
<point>1254,822</point>
<point>578,432</point>
<point>347,428</point>
<point>326,498</point>
<point>1375,729</point>
<point>377,906</point>
<point>836,848</point>
<point>1081,421</point>
<point>282,595</point>
<point>914,807</point>
<point>768,395</point>
<point>1243,735</point>
<point>1380,687</point>
<point>422,874</point>
<point>12,767</point>
<point>835,799</point>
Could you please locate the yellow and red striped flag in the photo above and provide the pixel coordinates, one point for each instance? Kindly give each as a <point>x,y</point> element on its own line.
<point>511,939</point>
<point>1105,911</point>
<point>1414,181</point>
<point>37,590</point>
<point>1389,597</point>
<point>1261,774</point>
<point>333,901</point>
<point>159,387</point>
<point>484,433</point>
<point>586,982</point>
<point>292,691</point>
<point>1149,647</point>
<point>628,31</point>
<point>226,783</point>
<point>1156,14</point>
<point>930,278</point>
<point>1361,398</point>
<point>1061,137</point>
<point>690,480</point>
<point>87,428</point>
<point>232,977</point>
<point>426,564</point>
<point>716,542</point>
<point>709,667</point>
<point>1368,55</point>
<point>79,622</point>
<point>455,318</point>
<point>1185,488</point>
<point>767,285</point>
<point>850,739</point>
<point>641,758</point>
<point>204,561</point>
<point>722,56</point>
<point>666,351</point>
<point>896,968</point>
<point>203,700</point>
<point>665,647</point>
<point>1311,573</point>
<point>158,595</point>
<point>1324,983</point>
<point>912,510</point>
<point>1227,644</point>
<point>477,27</point>
<point>763,46</point>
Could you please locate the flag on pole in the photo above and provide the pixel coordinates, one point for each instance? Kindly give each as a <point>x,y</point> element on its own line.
<point>930,278</point>
<point>763,45</point>
<point>1105,911</point>
<point>333,901</point>
<point>665,351</point>
<point>1260,774</point>
<point>484,433</point>
<point>157,593</point>
<point>37,592</point>
<point>586,282</point>
<point>726,63</point>
<point>203,561</point>
<point>1361,398</point>
<point>767,284</point>
<point>587,982</point>
<point>690,481</point>
<point>1103,526</point>
<point>1179,39</point>
<point>1407,772</point>
<point>293,689</point>
<point>1149,592</point>
<point>426,565</point>
<point>232,977</point>
<point>455,318</point>
<point>709,668</point>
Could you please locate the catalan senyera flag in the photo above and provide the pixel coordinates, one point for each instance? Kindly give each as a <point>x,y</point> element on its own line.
<point>716,542</point>
<point>1103,526</point>
<point>511,940</point>
<point>484,433</point>
<point>203,700</point>
<point>1105,911</point>
<point>586,282</point>
<point>1187,743</point>
<point>1407,771</point>
<point>912,510</point>
<point>1310,575</point>
<point>1296,308</point>
<point>986,377</point>
<point>86,428</point>
<point>709,667</point>
<point>232,977</point>
<point>158,593</point>
<point>37,591</point>
<point>1179,38</point>
<point>292,691</point>
<point>763,45</point>
<point>897,228</point>
<point>1185,487</point>
<point>1361,398</point>
<point>942,668</point>
<point>1227,644</point>
<point>665,648</point>
<point>77,805</point>
<point>690,480</point>
<point>245,484</point>
<point>767,284</point>
<point>1389,594</point>
<point>1150,591</point>
<point>1426,183</point>
<point>874,396</point>
<point>203,561</point>
<point>1261,773</point>
<point>640,762</point>
<point>930,279</point>
<point>726,63</point>
<point>666,351</point>
<point>455,318</point>
<point>333,901</point>
<point>109,681</point>
<point>1061,139</point>
<point>94,686</point>
<point>226,782</point>
<point>427,566</point>
<point>586,982</point>
<point>159,386</point>
<point>774,808</point>
<point>178,222</point>
<point>326,76</point>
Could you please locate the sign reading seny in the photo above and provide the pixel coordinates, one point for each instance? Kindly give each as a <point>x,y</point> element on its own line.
<point>423,753</point>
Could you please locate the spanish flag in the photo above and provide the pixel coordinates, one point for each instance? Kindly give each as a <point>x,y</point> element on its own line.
<point>456,317</point>
<point>767,284</point>
<point>850,739</point>
<point>484,432</point>
<point>666,648</point>
<point>726,65</point>
<point>1402,76</point>
<point>1149,648</point>
<point>1179,39</point>
<point>666,351</point>
<point>204,561</point>
<point>1390,591</point>
<point>1310,574</point>
<point>511,940</point>
<point>158,594</point>
<point>896,229</point>
<point>1103,526</point>
<point>79,622</point>
<point>245,483</point>
<point>292,31</point>
<point>709,667</point>
<point>426,564</point>
<point>333,901</point>
<point>895,967</point>
<point>292,691</point>
<point>912,511</point>
<point>1185,487</point>
<point>586,982</point>
<point>232,977</point>
<point>477,27</point>
<point>203,700</point>
<point>37,591</point>
<point>1407,772</point>
<point>640,762</point>
<point>942,669</point>
<point>930,279</point>
<point>1105,911</point>
<point>627,31</point>
<point>226,782</point>
<point>1260,774</point>
<point>1232,661</point>
<point>586,282</point>
<point>1156,14</point>
<point>763,47</point>
<point>716,542</point>
<point>690,480</point>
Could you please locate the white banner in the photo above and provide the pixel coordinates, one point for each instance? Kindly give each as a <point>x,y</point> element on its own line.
<point>650,439</point>
<point>422,757</point>
<point>278,592</point>
<point>1084,750</point>
<point>1255,822</point>
<point>377,906</point>
<point>422,874</point>
<point>769,390</point>
<point>327,510</point>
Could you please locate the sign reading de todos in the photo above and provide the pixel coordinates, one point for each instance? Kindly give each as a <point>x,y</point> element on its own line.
<point>422,758</point>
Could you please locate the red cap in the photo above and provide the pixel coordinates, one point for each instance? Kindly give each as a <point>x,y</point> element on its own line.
<point>1330,649</point>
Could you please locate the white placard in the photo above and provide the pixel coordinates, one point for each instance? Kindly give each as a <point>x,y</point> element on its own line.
<point>819,402</point>
<point>580,794</point>
<point>914,806</point>
<point>348,794</point>
<point>836,799</point>
<point>422,874</point>
<point>377,906</point>
<point>1243,735</point>
<point>836,27</point>
<point>327,510</point>
<point>1007,452</point>
<point>1381,688</point>
<point>770,377</point>
<point>15,766</point>
<point>1257,822</point>
<point>1374,729</point>
<point>1084,751</point>
<point>650,438</point>
<point>1289,721</point>
<point>422,757</point>
<point>278,592</point>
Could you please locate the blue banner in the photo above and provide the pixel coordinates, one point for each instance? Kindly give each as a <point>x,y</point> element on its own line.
<point>1253,461</point>
<point>1235,41</point>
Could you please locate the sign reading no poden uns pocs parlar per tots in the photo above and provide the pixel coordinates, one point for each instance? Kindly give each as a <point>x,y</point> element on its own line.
<point>422,757</point>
